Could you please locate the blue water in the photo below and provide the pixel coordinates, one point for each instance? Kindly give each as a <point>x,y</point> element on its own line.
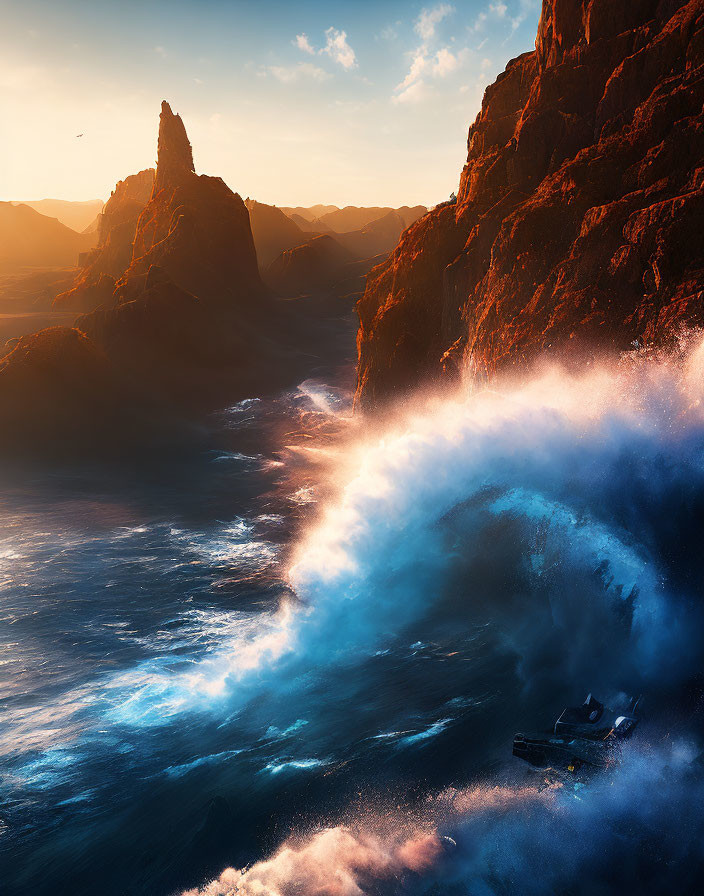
<point>328,631</point>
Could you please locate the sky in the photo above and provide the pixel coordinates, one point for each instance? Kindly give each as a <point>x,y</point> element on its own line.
<point>291,103</point>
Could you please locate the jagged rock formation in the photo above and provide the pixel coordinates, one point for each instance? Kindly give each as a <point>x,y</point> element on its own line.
<point>580,210</point>
<point>29,239</point>
<point>188,324</point>
<point>116,231</point>
<point>194,227</point>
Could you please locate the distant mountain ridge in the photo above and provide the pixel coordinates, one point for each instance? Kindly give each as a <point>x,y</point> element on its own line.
<point>30,239</point>
<point>325,218</point>
<point>76,215</point>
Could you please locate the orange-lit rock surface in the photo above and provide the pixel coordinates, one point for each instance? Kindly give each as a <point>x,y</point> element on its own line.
<point>579,219</point>
<point>109,259</point>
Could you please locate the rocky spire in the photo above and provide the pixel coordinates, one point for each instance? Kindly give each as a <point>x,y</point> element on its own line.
<point>175,157</point>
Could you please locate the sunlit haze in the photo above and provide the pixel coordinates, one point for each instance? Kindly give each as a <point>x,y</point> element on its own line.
<point>293,104</point>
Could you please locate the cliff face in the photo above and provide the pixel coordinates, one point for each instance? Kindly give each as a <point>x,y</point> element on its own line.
<point>580,210</point>
<point>116,231</point>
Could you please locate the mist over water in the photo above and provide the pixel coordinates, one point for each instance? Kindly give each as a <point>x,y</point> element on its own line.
<point>339,664</point>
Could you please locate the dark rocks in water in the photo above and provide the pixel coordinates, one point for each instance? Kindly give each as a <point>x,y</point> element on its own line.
<point>577,227</point>
<point>61,396</point>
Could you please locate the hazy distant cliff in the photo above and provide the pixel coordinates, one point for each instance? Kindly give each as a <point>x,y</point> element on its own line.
<point>580,212</point>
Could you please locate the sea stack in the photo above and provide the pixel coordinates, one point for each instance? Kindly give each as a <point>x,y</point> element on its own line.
<point>194,228</point>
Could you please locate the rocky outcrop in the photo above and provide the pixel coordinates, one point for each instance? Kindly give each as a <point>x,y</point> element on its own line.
<point>117,226</point>
<point>194,228</point>
<point>577,227</point>
<point>57,387</point>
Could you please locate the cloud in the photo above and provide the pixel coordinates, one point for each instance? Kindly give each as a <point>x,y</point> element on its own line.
<point>304,44</point>
<point>426,61</point>
<point>446,62</point>
<point>527,7</point>
<point>388,33</point>
<point>291,73</point>
<point>429,19</point>
<point>418,65</point>
<point>499,9</point>
<point>425,64</point>
<point>414,93</point>
<point>479,22</point>
<point>338,49</point>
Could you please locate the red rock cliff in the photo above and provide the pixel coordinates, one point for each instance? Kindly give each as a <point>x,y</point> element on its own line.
<point>579,219</point>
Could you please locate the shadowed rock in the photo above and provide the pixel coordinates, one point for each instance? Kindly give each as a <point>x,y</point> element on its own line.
<point>175,156</point>
<point>194,227</point>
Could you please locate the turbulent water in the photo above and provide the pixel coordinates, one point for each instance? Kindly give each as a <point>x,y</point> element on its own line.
<point>304,662</point>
